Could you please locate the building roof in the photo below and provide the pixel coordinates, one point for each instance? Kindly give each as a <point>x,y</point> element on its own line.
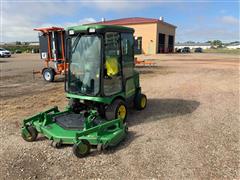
<point>234,44</point>
<point>47,29</point>
<point>133,20</point>
<point>192,44</point>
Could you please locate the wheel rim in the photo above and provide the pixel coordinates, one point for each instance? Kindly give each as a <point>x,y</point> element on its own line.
<point>83,148</point>
<point>143,102</point>
<point>122,112</point>
<point>47,76</point>
<point>27,137</point>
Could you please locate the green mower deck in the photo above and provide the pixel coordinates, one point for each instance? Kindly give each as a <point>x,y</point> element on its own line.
<point>85,130</point>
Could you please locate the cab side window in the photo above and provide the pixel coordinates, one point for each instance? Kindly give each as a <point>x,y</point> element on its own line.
<point>127,45</point>
<point>112,69</point>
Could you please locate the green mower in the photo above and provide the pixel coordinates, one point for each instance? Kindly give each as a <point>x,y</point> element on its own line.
<point>101,85</point>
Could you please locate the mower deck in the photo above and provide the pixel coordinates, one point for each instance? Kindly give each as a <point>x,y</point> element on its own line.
<point>70,128</point>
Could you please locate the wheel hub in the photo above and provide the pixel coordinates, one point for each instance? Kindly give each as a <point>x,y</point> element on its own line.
<point>47,76</point>
<point>122,112</point>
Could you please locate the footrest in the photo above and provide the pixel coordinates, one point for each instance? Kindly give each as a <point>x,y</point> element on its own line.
<point>70,121</point>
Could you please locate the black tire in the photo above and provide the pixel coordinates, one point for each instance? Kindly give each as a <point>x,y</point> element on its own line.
<point>32,134</point>
<point>75,105</point>
<point>138,101</point>
<point>112,111</point>
<point>101,110</point>
<point>81,152</point>
<point>56,145</point>
<point>48,74</point>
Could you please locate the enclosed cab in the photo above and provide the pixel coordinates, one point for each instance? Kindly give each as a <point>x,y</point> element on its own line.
<point>101,70</point>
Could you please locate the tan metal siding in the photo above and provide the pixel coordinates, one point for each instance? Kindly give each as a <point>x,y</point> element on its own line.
<point>148,33</point>
<point>167,30</point>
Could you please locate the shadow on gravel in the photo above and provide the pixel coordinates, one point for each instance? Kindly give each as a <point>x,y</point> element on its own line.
<point>158,109</point>
<point>59,80</point>
<point>3,61</point>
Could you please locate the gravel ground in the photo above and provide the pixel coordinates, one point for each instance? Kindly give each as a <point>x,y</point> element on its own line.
<point>189,130</point>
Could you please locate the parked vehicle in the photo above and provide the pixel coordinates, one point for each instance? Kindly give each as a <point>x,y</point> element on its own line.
<point>185,50</point>
<point>18,51</point>
<point>4,53</point>
<point>198,50</point>
<point>178,50</point>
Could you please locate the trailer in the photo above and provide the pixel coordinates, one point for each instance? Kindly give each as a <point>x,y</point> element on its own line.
<point>52,52</point>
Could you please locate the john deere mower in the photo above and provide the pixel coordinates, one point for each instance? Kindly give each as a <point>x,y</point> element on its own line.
<point>101,85</point>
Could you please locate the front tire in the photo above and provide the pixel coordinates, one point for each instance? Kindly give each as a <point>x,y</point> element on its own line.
<point>116,110</point>
<point>82,148</point>
<point>32,134</point>
<point>48,74</point>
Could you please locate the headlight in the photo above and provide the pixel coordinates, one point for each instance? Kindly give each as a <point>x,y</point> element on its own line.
<point>71,32</point>
<point>91,30</point>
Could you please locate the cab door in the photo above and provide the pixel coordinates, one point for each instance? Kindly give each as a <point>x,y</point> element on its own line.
<point>127,47</point>
<point>112,78</point>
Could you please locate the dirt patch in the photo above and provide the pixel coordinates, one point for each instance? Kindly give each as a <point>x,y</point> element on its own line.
<point>189,130</point>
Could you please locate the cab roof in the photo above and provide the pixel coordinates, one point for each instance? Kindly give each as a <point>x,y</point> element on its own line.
<point>101,28</point>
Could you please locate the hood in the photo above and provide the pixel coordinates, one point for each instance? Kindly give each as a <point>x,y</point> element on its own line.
<point>6,51</point>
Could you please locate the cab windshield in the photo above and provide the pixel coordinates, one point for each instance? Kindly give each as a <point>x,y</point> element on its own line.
<point>84,69</point>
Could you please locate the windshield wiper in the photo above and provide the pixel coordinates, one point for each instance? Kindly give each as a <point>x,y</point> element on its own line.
<point>75,43</point>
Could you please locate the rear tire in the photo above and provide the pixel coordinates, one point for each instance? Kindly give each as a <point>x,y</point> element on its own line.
<point>48,74</point>
<point>116,110</point>
<point>32,134</point>
<point>140,101</point>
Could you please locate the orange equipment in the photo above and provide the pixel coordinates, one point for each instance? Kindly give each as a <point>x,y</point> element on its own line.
<point>52,51</point>
<point>143,62</point>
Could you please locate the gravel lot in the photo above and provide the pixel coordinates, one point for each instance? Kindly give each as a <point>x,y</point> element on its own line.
<point>189,130</point>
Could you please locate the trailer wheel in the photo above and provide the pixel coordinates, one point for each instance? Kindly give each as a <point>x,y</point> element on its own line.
<point>117,109</point>
<point>48,74</point>
<point>32,136</point>
<point>140,101</point>
<point>81,149</point>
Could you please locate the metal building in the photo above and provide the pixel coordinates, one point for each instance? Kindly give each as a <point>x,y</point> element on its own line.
<point>152,36</point>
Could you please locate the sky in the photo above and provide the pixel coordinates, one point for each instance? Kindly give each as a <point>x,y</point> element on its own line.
<point>198,21</point>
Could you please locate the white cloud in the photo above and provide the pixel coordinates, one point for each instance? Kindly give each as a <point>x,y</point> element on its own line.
<point>68,24</point>
<point>19,19</point>
<point>229,20</point>
<point>209,33</point>
<point>116,6</point>
<point>225,28</point>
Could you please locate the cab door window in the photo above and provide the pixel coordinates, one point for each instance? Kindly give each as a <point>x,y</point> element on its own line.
<point>112,65</point>
<point>127,44</point>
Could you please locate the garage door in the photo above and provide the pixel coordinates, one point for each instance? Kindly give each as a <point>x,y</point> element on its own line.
<point>170,43</point>
<point>161,43</point>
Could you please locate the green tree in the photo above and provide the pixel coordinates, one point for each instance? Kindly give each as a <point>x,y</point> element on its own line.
<point>18,43</point>
<point>216,43</point>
